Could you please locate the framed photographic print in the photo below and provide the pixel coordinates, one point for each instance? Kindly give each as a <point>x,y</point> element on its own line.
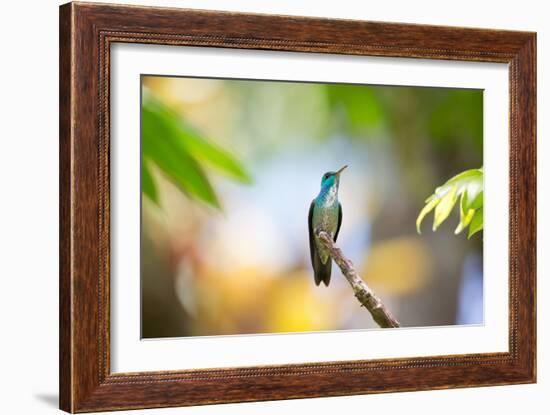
<point>259,207</point>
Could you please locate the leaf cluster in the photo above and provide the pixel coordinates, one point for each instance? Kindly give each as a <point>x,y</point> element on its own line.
<point>182,154</point>
<point>466,187</point>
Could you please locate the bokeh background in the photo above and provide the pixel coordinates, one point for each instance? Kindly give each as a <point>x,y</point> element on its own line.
<point>229,169</point>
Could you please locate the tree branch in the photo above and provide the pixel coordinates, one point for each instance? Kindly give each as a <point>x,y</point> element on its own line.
<point>363,293</point>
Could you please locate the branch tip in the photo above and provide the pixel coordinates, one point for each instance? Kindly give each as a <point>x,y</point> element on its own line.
<point>362,291</point>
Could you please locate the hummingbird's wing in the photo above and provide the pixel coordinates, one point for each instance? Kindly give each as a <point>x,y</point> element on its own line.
<point>339,221</point>
<point>321,272</point>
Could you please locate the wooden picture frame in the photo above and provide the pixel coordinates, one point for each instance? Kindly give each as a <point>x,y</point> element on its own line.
<point>86,33</point>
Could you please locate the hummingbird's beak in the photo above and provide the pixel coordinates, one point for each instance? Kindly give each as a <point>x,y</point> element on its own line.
<point>341,170</point>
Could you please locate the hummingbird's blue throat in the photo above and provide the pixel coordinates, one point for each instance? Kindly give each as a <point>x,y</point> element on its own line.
<point>328,196</point>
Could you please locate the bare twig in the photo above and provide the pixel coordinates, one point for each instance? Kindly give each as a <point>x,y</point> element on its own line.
<point>363,293</point>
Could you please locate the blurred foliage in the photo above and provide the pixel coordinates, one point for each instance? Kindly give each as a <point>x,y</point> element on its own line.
<point>435,109</point>
<point>181,153</point>
<point>362,106</point>
<point>468,122</point>
<point>359,111</point>
<point>467,185</point>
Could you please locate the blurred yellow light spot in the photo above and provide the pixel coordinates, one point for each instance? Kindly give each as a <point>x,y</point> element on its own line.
<point>292,305</point>
<point>179,91</point>
<point>398,266</point>
<point>238,290</point>
<point>230,303</point>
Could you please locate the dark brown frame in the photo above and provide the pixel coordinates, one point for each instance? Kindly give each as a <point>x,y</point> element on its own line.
<point>86,33</point>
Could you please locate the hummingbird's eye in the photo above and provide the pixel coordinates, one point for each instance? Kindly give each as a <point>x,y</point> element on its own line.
<point>326,176</point>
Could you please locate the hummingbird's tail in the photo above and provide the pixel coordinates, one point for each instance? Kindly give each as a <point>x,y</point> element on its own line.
<point>321,272</point>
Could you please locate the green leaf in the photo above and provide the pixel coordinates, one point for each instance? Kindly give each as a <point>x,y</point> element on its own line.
<point>189,140</point>
<point>214,155</point>
<point>464,204</point>
<point>477,202</point>
<point>474,190</point>
<point>147,183</point>
<point>162,144</point>
<point>444,207</point>
<point>476,224</point>
<point>427,209</point>
<point>466,213</point>
<point>465,221</point>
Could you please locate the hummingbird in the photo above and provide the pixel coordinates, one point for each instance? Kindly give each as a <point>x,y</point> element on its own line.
<point>325,213</point>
